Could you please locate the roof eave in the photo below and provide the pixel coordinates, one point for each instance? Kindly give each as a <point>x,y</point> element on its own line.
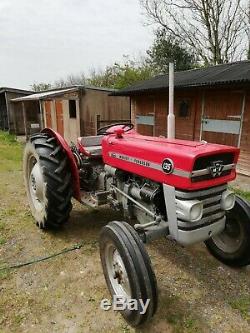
<point>195,85</point>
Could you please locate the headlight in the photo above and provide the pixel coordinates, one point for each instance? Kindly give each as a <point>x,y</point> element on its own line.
<point>227,200</point>
<point>189,210</point>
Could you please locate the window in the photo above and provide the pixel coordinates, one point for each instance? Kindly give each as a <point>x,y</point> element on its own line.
<point>72,108</point>
<point>184,110</point>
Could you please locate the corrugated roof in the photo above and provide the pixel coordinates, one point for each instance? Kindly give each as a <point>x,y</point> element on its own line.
<point>238,72</point>
<point>58,92</point>
<point>15,90</point>
<point>44,95</point>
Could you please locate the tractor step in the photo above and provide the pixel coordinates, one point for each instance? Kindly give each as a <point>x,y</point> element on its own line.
<point>94,199</point>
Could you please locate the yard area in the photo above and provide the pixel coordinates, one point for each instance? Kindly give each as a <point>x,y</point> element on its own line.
<point>63,294</point>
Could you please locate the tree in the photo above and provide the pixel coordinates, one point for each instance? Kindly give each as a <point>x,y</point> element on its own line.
<point>213,29</point>
<point>247,27</point>
<point>40,86</point>
<point>119,76</point>
<point>166,49</point>
<point>102,78</point>
<point>71,80</point>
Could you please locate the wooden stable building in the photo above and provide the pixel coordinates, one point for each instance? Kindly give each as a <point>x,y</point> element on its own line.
<point>7,117</point>
<point>73,112</point>
<point>211,104</point>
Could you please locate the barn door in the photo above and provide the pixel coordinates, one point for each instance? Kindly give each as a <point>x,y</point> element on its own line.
<point>48,114</point>
<point>221,120</point>
<point>59,117</point>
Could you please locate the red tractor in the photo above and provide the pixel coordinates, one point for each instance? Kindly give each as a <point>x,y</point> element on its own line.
<point>172,188</point>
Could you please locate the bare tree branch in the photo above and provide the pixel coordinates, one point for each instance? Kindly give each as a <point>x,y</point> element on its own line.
<point>215,29</point>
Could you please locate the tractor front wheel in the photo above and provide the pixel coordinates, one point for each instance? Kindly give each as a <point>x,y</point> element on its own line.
<point>232,246</point>
<point>47,179</point>
<point>128,271</point>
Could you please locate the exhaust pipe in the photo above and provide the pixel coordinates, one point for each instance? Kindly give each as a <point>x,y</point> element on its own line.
<point>171,116</point>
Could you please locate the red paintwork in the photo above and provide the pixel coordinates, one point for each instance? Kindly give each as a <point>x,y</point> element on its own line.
<point>154,149</point>
<point>84,150</point>
<point>73,166</point>
<point>81,148</point>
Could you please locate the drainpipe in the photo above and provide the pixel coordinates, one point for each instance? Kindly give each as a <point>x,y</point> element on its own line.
<point>171,116</point>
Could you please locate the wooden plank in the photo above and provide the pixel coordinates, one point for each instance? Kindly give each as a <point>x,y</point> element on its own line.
<point>59,118</point>
<point>25,120</point>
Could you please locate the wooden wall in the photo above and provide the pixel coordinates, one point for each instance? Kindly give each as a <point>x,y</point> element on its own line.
<point>219,103</point>
<point>11,109</point>
<point>32,111</point>
<point>244,163</point>
<point>157,105</point>
<point>57,116</point>
<point>97,102</point>
<point>4,123</point>
<point>90,103</point>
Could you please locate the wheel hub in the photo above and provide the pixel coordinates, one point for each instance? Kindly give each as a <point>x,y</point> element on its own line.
<point>36,186</point>
<point>117,273</point>
<point>33,182</point>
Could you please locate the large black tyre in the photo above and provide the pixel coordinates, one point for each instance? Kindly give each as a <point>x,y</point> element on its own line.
<point>48,181</point>
<point>127,269</point>
<point>232,246</point>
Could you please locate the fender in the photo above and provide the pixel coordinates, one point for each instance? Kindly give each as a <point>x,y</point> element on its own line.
<point>72,162</point>
<point>244,205</point>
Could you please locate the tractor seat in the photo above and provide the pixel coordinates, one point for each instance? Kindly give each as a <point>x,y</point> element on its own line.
<point>91,145</point>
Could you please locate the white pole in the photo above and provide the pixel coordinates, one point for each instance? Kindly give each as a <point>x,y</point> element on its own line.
<point>171,116</point>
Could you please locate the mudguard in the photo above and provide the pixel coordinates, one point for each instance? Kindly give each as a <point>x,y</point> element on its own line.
<point>244,205</point>
<point>72,162</point>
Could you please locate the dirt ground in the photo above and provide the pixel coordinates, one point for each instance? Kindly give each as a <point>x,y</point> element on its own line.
<point>63,294</point>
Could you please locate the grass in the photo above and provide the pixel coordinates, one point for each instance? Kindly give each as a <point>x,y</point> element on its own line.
<point>11,152</point>
<point>180,318</point>
<point>4,274</point>
<point>243,194</point>
<point>243,305</point>
<point>7,138</point>
<point>2,240</point>
<point>16,222</point>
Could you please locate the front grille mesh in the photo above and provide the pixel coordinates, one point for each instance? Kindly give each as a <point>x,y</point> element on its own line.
<point>205,161</point>
<point>201,169</point>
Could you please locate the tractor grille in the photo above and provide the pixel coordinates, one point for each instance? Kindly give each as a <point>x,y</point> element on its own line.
<point>213,166</point>
<point>212,211</point>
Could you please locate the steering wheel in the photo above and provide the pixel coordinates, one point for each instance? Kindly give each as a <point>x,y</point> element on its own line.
<point>103,130</point>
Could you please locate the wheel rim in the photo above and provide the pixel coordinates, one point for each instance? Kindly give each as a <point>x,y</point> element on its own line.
<point>230,240</point>
<point>35,184</point>
<point>117,273</point>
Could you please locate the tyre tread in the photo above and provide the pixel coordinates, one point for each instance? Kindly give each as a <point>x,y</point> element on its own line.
<point>57,176</point>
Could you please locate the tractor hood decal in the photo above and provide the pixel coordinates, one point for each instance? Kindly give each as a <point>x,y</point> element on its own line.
<point>151,165</point>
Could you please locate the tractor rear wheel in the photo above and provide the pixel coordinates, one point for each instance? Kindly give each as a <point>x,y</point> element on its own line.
<point>232,246</point>
<point>128,271</point>
<point>48,182</point>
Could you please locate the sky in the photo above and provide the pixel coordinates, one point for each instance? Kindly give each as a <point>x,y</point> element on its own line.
<point>45,40</point>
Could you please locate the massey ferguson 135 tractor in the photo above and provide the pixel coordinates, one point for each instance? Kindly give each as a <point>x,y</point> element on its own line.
<point>172,188</point>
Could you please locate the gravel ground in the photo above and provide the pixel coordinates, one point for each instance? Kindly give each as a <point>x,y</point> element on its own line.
<point>63,294</point>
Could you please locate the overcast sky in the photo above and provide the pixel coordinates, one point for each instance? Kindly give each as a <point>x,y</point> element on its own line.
<point>44,40</point>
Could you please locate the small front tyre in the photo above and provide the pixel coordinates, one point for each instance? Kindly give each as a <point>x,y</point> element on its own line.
<point>232,246</point>
<point>128,271</point>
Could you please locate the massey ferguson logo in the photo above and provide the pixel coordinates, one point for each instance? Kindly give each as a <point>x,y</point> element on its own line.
<point>216,168</point>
